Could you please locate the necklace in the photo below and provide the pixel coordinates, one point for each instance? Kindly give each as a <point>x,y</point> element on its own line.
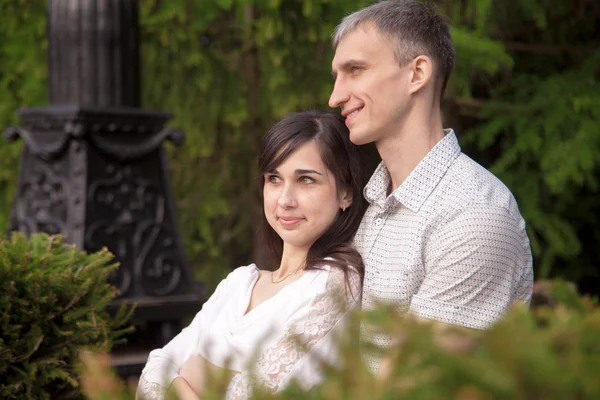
<point>285,277</point>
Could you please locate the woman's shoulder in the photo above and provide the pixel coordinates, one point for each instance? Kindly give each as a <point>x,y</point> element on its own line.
<point>346,279</point>
<point>336,269</point>
<point>245,270</point>
<point>240,275</point>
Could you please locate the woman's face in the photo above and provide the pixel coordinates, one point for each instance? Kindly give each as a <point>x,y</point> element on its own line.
<point>301,199</point>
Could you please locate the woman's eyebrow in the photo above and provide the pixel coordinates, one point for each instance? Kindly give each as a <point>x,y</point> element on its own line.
<point>307,171</point>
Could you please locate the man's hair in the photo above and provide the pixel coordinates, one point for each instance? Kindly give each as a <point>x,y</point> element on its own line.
<point>415,27</point>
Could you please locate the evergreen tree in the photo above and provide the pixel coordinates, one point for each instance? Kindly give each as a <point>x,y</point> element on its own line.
<point>52,306</point>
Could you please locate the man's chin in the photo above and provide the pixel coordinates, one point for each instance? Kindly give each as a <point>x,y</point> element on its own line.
<point>359,138</point>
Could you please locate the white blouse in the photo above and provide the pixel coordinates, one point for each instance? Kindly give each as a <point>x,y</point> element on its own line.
<point>287,336</point>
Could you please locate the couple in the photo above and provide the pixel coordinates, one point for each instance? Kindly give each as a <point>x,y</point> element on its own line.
<point>442,238</point>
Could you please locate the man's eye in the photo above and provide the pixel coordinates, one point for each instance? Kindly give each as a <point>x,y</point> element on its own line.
<point>355,69</point>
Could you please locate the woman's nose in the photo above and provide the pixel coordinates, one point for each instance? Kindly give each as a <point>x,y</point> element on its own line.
<point>287,199</point>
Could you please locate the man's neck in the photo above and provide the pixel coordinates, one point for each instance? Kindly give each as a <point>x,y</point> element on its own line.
<point>402,152</point>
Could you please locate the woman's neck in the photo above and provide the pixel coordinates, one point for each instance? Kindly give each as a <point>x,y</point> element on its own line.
<point>292,259</point>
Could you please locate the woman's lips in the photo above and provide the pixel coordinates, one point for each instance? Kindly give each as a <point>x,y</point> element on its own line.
<point>289,221</point>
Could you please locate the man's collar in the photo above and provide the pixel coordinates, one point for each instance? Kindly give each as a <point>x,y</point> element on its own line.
<point>417,187</point>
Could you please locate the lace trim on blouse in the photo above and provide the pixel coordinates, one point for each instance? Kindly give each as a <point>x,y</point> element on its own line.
<point>149,390</point>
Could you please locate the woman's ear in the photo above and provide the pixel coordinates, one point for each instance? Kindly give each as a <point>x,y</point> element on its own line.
<point>345,199</point>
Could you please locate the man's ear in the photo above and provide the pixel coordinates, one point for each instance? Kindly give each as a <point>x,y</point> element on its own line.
<point>421,69</point>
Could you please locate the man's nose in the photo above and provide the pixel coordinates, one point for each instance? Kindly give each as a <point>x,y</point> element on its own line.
<point>287,199</point>
<point>339,95</point>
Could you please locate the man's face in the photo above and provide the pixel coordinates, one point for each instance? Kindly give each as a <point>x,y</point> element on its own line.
<point>371,88</point>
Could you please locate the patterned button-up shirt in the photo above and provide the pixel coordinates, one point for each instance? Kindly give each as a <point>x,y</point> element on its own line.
<point>449,244</point>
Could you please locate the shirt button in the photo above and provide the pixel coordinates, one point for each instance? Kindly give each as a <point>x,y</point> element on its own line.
<point>378,221</point>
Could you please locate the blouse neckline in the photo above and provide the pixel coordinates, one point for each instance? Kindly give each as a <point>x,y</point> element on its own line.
<point>256,275</point>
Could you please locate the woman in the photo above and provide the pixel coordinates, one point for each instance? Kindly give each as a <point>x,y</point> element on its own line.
<point>269,327</point>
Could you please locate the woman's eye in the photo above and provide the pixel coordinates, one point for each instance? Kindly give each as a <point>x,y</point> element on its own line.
<point>273,179</point>
<point>306,179</point>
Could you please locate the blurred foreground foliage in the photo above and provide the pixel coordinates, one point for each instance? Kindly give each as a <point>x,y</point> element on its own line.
<point>524,100</point>
<point>53,301</point>
<point>549,352</point>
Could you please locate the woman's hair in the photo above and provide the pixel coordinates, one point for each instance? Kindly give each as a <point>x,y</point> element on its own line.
<point>347,163</point>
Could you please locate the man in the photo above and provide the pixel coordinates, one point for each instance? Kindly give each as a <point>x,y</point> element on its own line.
<point>443,238</point>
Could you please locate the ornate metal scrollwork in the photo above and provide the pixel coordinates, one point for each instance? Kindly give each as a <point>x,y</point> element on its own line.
<point>134,225</point>
<point>123,150</point>
<point>43,192</point>
<point>47,150</point>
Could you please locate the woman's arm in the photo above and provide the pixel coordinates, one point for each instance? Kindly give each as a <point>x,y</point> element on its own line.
<point>182,389</point>
<point>195,372</point>
<point>163,364</point>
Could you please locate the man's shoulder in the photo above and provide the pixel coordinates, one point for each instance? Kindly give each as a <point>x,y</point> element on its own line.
<point>470,184</point>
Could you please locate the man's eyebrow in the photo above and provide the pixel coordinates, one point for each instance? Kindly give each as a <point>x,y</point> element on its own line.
<point>307,171</point>
<point>346,65</point>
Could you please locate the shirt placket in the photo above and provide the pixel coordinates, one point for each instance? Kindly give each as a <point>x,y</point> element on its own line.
<point>377,224</point>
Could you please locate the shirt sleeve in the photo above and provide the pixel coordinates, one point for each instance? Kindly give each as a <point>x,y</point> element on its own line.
<point>308,340</point>
<point>476,265</point>
<point>163,364</point>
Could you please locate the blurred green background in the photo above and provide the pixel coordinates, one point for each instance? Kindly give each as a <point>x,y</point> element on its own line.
<point>524,100</point>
